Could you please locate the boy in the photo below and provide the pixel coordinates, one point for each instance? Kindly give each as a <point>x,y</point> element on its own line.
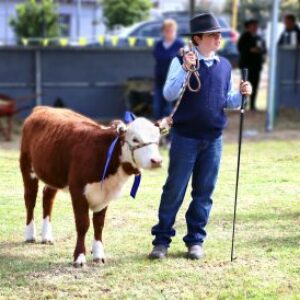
<point>196,144</point>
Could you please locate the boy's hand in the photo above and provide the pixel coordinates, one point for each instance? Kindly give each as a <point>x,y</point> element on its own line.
<point>246,88</point>
<point>189,59</point>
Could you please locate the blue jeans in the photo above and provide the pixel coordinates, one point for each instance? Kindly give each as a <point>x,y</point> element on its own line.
<point>201,159</point>
<point>161,107</point>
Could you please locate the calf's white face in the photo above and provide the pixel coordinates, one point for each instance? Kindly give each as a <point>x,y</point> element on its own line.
<point>141,144</point>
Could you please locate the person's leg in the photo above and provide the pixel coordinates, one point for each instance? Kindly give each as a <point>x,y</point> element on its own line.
<point>183,155</point>
<point>158,102</point>
<point>203,183</point>
<point>254,80</point>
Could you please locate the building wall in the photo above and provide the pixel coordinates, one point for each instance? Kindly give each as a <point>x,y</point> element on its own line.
<point>89,13</point>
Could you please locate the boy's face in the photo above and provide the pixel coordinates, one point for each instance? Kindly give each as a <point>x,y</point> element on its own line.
<point>211,41</point>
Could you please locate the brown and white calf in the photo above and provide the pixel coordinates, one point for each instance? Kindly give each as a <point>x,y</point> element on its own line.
<point>64,149</point>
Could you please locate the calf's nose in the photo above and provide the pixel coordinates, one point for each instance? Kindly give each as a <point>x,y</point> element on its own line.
<point>156,162</point>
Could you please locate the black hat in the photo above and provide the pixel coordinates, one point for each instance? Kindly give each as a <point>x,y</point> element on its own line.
<point>205,23</point>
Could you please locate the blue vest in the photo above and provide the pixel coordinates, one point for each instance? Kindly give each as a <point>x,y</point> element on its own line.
<point>200,115</point>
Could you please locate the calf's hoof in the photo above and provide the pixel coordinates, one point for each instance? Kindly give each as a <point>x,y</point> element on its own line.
<point>98,252</point>
<point>80,261</point>
<point>99,260</point>
<point>30,241</point>
<point>47,242</point>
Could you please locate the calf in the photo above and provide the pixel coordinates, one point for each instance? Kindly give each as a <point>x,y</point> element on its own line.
<point>64,149</point>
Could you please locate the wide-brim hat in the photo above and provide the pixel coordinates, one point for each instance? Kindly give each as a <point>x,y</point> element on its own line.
<point>205,23</point>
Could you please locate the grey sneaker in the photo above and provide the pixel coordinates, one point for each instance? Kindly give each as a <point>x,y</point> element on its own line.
<point>158,252</point>
<point>195,252</point>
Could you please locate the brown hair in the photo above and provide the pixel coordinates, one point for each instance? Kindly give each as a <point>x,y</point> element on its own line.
<point>200,35</point>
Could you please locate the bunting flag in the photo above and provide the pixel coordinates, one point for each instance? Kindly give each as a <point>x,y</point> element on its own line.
<point>101,39</point>
<point>45,42</point>
<point>82,41</point>
<point>114,40</point>
<point>222,44</point>
<point>63,42</point>
<point>132,41</point>
<point>186,40</point>
<point>150,42</point>
<point>24,41</point>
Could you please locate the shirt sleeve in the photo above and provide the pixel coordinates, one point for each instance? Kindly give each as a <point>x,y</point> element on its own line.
<point>234,98</point>
<point>175,80</point>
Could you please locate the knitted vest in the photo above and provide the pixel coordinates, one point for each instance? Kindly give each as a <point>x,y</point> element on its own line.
<point>200,114</point>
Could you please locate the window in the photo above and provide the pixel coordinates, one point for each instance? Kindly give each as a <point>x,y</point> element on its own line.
<point>64,24</point>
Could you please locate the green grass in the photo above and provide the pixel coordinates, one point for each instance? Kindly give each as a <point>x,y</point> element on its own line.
<point>267,238</point>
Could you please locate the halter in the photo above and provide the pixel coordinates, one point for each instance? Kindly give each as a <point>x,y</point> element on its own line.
<point>133,148</point>
<point>137,178</point>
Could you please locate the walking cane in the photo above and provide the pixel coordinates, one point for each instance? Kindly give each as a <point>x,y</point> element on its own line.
<point>244,78</point>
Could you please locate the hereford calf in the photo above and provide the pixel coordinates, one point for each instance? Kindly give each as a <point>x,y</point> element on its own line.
<point>64,149</point>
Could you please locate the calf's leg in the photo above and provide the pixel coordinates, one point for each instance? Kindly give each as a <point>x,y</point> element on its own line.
<point>97,247</point>
<point>82,221</point>
<point>48,200</point>
<point>30,194</point>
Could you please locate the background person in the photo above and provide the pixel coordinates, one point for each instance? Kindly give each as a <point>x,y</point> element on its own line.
<point>164,51</point>
<point>291,33</point>
<point>252,48</point>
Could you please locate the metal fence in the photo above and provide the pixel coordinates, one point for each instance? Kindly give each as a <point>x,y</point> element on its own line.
<point>88,80</point>
<point>288,78</point>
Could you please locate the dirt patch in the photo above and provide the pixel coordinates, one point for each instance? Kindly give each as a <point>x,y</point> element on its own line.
<point>287,126</point>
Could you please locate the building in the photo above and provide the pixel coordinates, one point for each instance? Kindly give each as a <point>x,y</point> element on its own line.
<point>76,18</point>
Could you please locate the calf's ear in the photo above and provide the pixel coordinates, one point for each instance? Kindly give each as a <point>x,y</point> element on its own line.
<point>119,126</point>
<point>164,125</point>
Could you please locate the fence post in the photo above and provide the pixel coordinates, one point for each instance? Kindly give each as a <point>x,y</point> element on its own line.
<point>38,77</point>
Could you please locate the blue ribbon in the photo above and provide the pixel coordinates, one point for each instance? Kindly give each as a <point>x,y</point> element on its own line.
<point>109,155</point>
<point>128,117</point>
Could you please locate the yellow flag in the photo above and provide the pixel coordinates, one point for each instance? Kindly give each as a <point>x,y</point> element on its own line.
<point>222,44</point>
<point>150,42</point>
<point>45,42</point>
<point>63,42</point>
<point>186,40</point>
<point>24,41</point>
<point>101,39</point>
<point>82,41</point>
<point>114,40</point>
<point>131,41</point>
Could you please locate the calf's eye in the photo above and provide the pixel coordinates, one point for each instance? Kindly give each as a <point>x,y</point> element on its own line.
<point>135,140</point>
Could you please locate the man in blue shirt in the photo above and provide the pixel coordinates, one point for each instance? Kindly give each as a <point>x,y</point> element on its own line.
<point>196,143</point>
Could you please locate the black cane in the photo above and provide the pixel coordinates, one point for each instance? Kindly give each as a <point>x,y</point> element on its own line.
<point>244,78</point>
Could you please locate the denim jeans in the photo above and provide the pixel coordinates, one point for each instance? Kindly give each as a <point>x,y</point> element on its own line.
<point>161,107</point>
<point>201,160</point>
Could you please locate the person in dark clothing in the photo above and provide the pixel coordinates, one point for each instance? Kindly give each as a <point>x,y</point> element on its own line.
<point>164,51</point>
<point>252,50</point>
<point>291,33</point>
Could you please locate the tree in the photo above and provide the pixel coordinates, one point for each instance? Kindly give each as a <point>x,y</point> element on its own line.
<point>262,10</point>
<point>35,20</point>
<point>125,12</point>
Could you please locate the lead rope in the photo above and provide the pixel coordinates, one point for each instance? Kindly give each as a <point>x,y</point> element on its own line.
<point>193,71</point>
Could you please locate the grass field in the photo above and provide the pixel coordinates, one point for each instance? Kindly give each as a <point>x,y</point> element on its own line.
<point>267,238</point>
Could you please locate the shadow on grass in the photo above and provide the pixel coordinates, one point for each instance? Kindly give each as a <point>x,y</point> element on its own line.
<point>275,214</point>
<point>274,243</point>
